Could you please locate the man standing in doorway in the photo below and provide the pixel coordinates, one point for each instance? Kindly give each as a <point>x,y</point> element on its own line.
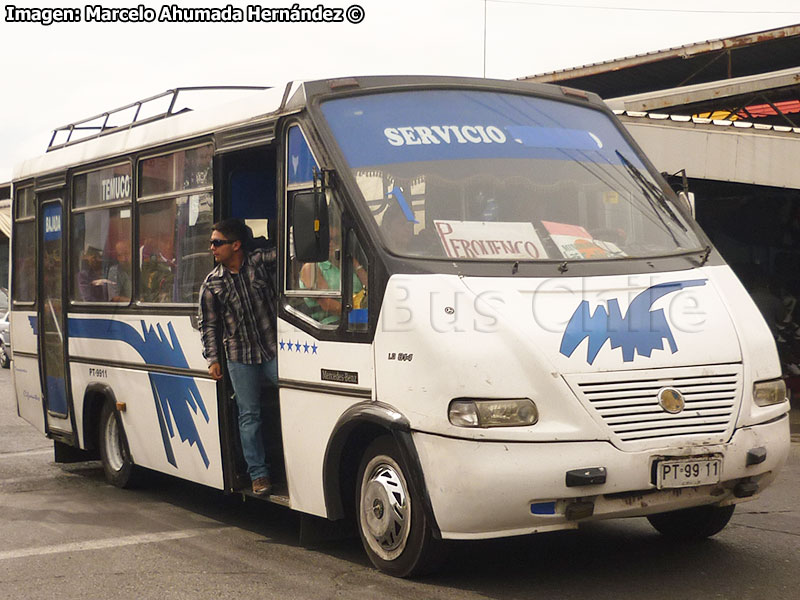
<point>237,305</point>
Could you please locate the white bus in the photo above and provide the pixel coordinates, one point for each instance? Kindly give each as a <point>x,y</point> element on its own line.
<point>527,331</point>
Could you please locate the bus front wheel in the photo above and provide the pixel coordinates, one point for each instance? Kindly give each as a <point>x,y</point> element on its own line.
<point>692,523</point>
<point>114,453</point>
<point>392,522</point>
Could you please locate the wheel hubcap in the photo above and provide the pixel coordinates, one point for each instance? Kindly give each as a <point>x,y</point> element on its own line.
<point>386,510</point>
<point>113,445</point>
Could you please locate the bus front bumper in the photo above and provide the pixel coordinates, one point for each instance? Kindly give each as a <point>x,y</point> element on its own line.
<point>486,489</point>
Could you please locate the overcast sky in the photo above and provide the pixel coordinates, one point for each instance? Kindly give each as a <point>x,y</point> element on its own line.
<point>56,74</point>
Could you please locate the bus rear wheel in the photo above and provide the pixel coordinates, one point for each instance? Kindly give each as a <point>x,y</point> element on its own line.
<point>114,453</point>
<point>692,524</point>
<point>392,522</point>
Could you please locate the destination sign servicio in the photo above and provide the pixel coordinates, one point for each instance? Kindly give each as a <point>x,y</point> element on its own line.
<point>444,134</point>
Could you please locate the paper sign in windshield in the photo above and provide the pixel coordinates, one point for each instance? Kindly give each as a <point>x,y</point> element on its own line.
<point>575,242</point>
<point>490,240</point>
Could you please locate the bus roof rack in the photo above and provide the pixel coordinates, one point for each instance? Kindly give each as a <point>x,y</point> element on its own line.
<point>162,105</point>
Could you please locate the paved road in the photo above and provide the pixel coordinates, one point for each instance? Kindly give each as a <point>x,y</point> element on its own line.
<point>65,534</point>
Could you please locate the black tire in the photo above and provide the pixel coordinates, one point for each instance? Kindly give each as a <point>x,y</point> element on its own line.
<point>392,521</point>
<point>114,453</point>
<point>692,523</point>
<point>5,359</point>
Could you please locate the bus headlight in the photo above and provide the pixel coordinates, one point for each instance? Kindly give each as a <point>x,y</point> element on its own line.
<point>766,393</point>
<point>513,412</point>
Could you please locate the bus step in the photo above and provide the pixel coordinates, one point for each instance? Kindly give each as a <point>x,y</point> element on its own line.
<point>279,495</point>
<point>282,499</point>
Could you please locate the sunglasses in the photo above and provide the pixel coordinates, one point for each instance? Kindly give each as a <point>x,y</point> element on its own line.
<point>218,243</point>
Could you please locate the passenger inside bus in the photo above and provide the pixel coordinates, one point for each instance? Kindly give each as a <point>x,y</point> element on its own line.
<point>91,283</point>
<point>119,274</point>
<point>157,274</point>
<point>399,231</point>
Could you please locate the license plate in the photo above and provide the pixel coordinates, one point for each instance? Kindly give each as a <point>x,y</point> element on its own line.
<point>687,472</point>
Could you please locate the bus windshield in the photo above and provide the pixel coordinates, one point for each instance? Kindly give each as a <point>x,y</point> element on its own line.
<point>479,175</point>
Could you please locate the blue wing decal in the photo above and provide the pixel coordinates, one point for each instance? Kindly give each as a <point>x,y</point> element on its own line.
<point>640,331</point>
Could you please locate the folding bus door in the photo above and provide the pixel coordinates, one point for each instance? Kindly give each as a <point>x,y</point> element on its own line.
<point>52,322</point>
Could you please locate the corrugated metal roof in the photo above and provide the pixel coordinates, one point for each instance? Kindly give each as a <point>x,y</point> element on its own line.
<point>718,150</point>
<point>773,98</point>
<point>712,60</point>
<point>707,121</point>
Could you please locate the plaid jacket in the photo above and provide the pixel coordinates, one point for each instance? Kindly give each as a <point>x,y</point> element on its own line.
<point>243,313</point>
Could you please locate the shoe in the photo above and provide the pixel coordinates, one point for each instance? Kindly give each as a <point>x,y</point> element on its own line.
<point>262,486</point>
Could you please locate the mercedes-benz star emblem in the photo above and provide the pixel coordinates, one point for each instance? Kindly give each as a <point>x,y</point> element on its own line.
<point>671,400</point>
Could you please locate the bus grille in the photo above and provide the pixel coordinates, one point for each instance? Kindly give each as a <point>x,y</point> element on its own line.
<point>629,406</point>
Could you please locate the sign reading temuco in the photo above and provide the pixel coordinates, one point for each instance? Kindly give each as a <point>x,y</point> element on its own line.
<point>116,188</point>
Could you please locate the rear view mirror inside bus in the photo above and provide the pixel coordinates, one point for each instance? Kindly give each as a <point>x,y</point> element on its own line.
<point>310,226</point>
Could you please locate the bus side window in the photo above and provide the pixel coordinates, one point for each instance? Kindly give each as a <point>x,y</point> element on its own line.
<point>312,289</point>
<point>358,316</point>
<point>316,288</point>
<point>24,267</point>
<point>100,235</point>
<point>175,212</point>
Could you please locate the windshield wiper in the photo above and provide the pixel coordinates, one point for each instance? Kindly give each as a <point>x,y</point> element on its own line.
<point>705,253</point>
<point>654,195</point>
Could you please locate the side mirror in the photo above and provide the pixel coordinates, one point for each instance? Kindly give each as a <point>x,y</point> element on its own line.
<point>310,229</point>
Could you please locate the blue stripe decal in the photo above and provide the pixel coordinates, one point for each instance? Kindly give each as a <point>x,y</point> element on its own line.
<point>174,395</point>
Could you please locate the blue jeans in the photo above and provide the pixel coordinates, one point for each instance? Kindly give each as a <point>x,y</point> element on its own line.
<point>246,380</point>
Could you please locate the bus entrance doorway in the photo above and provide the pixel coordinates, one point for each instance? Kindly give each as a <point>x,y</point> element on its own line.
<point>250,192</point>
